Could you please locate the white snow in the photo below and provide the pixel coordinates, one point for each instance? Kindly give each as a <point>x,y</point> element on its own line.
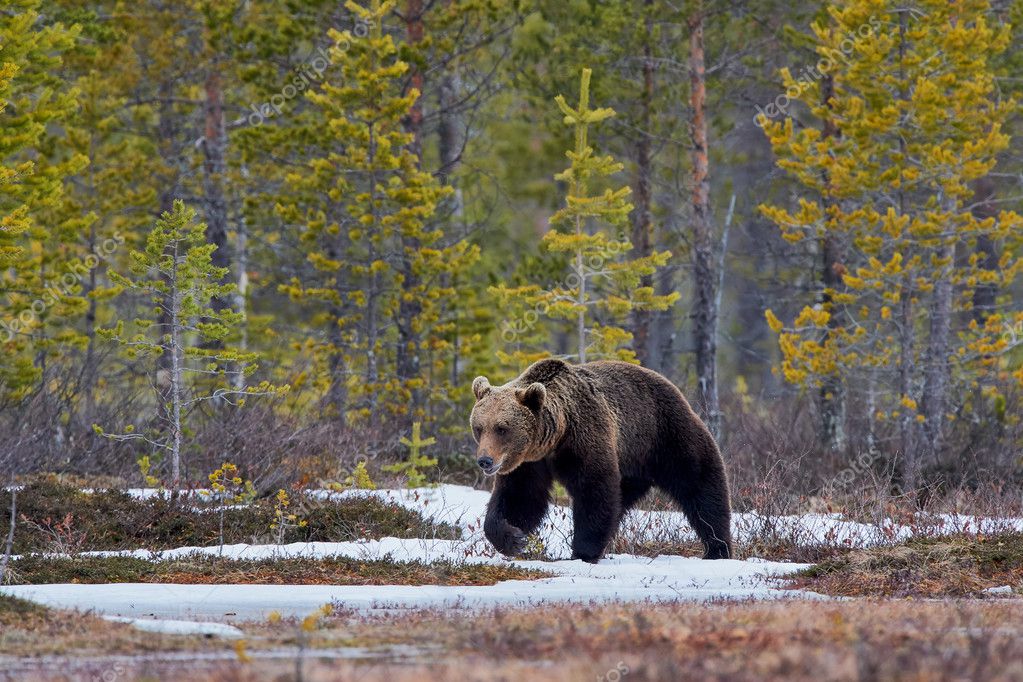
<point>616,578</point>
<point>465,507</point>
<point>180,627</point>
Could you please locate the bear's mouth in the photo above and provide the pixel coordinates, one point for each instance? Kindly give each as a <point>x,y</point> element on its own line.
<point>493,469</point>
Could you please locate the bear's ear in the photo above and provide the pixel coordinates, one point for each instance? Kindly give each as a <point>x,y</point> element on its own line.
<point>480,387</point>
<point>532,396</point>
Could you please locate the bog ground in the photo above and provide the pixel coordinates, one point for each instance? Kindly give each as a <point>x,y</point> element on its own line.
<point>439,602</point>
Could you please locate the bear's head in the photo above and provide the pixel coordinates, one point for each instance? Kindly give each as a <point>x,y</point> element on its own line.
<point>507,425</point>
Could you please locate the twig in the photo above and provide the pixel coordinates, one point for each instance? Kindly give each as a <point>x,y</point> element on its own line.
<point>10,536</point>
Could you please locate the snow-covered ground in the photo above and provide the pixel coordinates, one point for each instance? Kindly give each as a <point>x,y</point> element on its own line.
<point>617,577</point>
<point>465,507</point>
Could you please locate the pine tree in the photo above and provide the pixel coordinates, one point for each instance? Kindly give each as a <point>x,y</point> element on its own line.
<point>590,230</point>
<point>913,100</point>
<point>175,271</point>
<point>112,199</point>
<point>39,280</point>
<point>364,209</point>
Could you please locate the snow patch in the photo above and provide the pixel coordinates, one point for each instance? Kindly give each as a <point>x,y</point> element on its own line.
<point>616,578</point>
<point>180,627</point>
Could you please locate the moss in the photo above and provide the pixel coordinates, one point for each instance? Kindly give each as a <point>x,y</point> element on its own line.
<point>112,520</point>
<point>952,566</point>
<point>199,569</point>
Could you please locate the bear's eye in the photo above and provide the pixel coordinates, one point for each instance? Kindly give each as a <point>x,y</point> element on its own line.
<point>500,429</point>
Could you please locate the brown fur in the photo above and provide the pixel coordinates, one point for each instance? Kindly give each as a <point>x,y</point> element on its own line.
<point>607,431</point>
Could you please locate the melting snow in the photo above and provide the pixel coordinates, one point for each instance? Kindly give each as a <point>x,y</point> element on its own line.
<point>617,577</point>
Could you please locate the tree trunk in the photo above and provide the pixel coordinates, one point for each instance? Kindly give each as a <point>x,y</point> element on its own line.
<point>167,134</point>
<point>987,250</point>
<point>241,293</point>
<point>408,361</point>
<point>642,220</point>
<point>9,543</point>
<point>705,312</point>
<point>580,323</point>
<point>832,392</point>
<point>214,150</point>
<point>89,373</point>
<point>907,357</point>
<point>907,422</point>
<point>414,36</point>
<point>337,393</point>
<point>177,369</point>
<point>664,341</point>
<point>936,367</point>
<point>449,143</point>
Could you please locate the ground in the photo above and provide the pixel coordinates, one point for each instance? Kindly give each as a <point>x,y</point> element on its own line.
<point>417,591</point>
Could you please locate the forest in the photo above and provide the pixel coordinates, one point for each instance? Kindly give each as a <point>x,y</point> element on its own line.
<point>289,234</point>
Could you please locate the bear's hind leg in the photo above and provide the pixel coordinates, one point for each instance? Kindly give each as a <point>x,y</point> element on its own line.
<point>705,504</point>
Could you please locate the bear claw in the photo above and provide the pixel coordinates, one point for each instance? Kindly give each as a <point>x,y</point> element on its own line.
<point>513,542</point>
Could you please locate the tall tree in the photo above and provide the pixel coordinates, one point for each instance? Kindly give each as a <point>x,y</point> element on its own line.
<point>40,264</point>
<point>589,231</point>
<point>704,251</point>
<point>377,266</point>
<point>914,98</point>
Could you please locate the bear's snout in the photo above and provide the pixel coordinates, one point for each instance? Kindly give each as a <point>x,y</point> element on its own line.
<point>487,464</point>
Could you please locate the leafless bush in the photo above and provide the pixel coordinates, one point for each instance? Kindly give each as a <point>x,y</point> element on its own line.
<point>777,466</point>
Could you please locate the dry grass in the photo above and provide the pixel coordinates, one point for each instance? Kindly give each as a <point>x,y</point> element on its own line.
<point>960,566</point>
<point>793,640</point>
<point>30,630</point>
<point>207,570</point>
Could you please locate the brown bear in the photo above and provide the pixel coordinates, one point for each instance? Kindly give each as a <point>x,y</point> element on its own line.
<point>607,431</point>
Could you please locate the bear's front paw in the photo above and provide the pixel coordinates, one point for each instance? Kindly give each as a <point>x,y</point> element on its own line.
<point>509,540</point>
<point>515,541</point>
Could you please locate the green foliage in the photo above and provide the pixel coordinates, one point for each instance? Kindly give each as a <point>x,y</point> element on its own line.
<point>918,119</point>
<point>360,479</point>
<point>413,467</point>
<point>589,230</point>
<point>388,188</point>
<point>145,466</point>
<point>39,269</point>
<point>283,519</point>
<point>176,274</point>
<point>379,273</point>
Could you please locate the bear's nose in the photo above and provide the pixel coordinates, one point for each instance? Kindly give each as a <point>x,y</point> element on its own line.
<point>486,463</point>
